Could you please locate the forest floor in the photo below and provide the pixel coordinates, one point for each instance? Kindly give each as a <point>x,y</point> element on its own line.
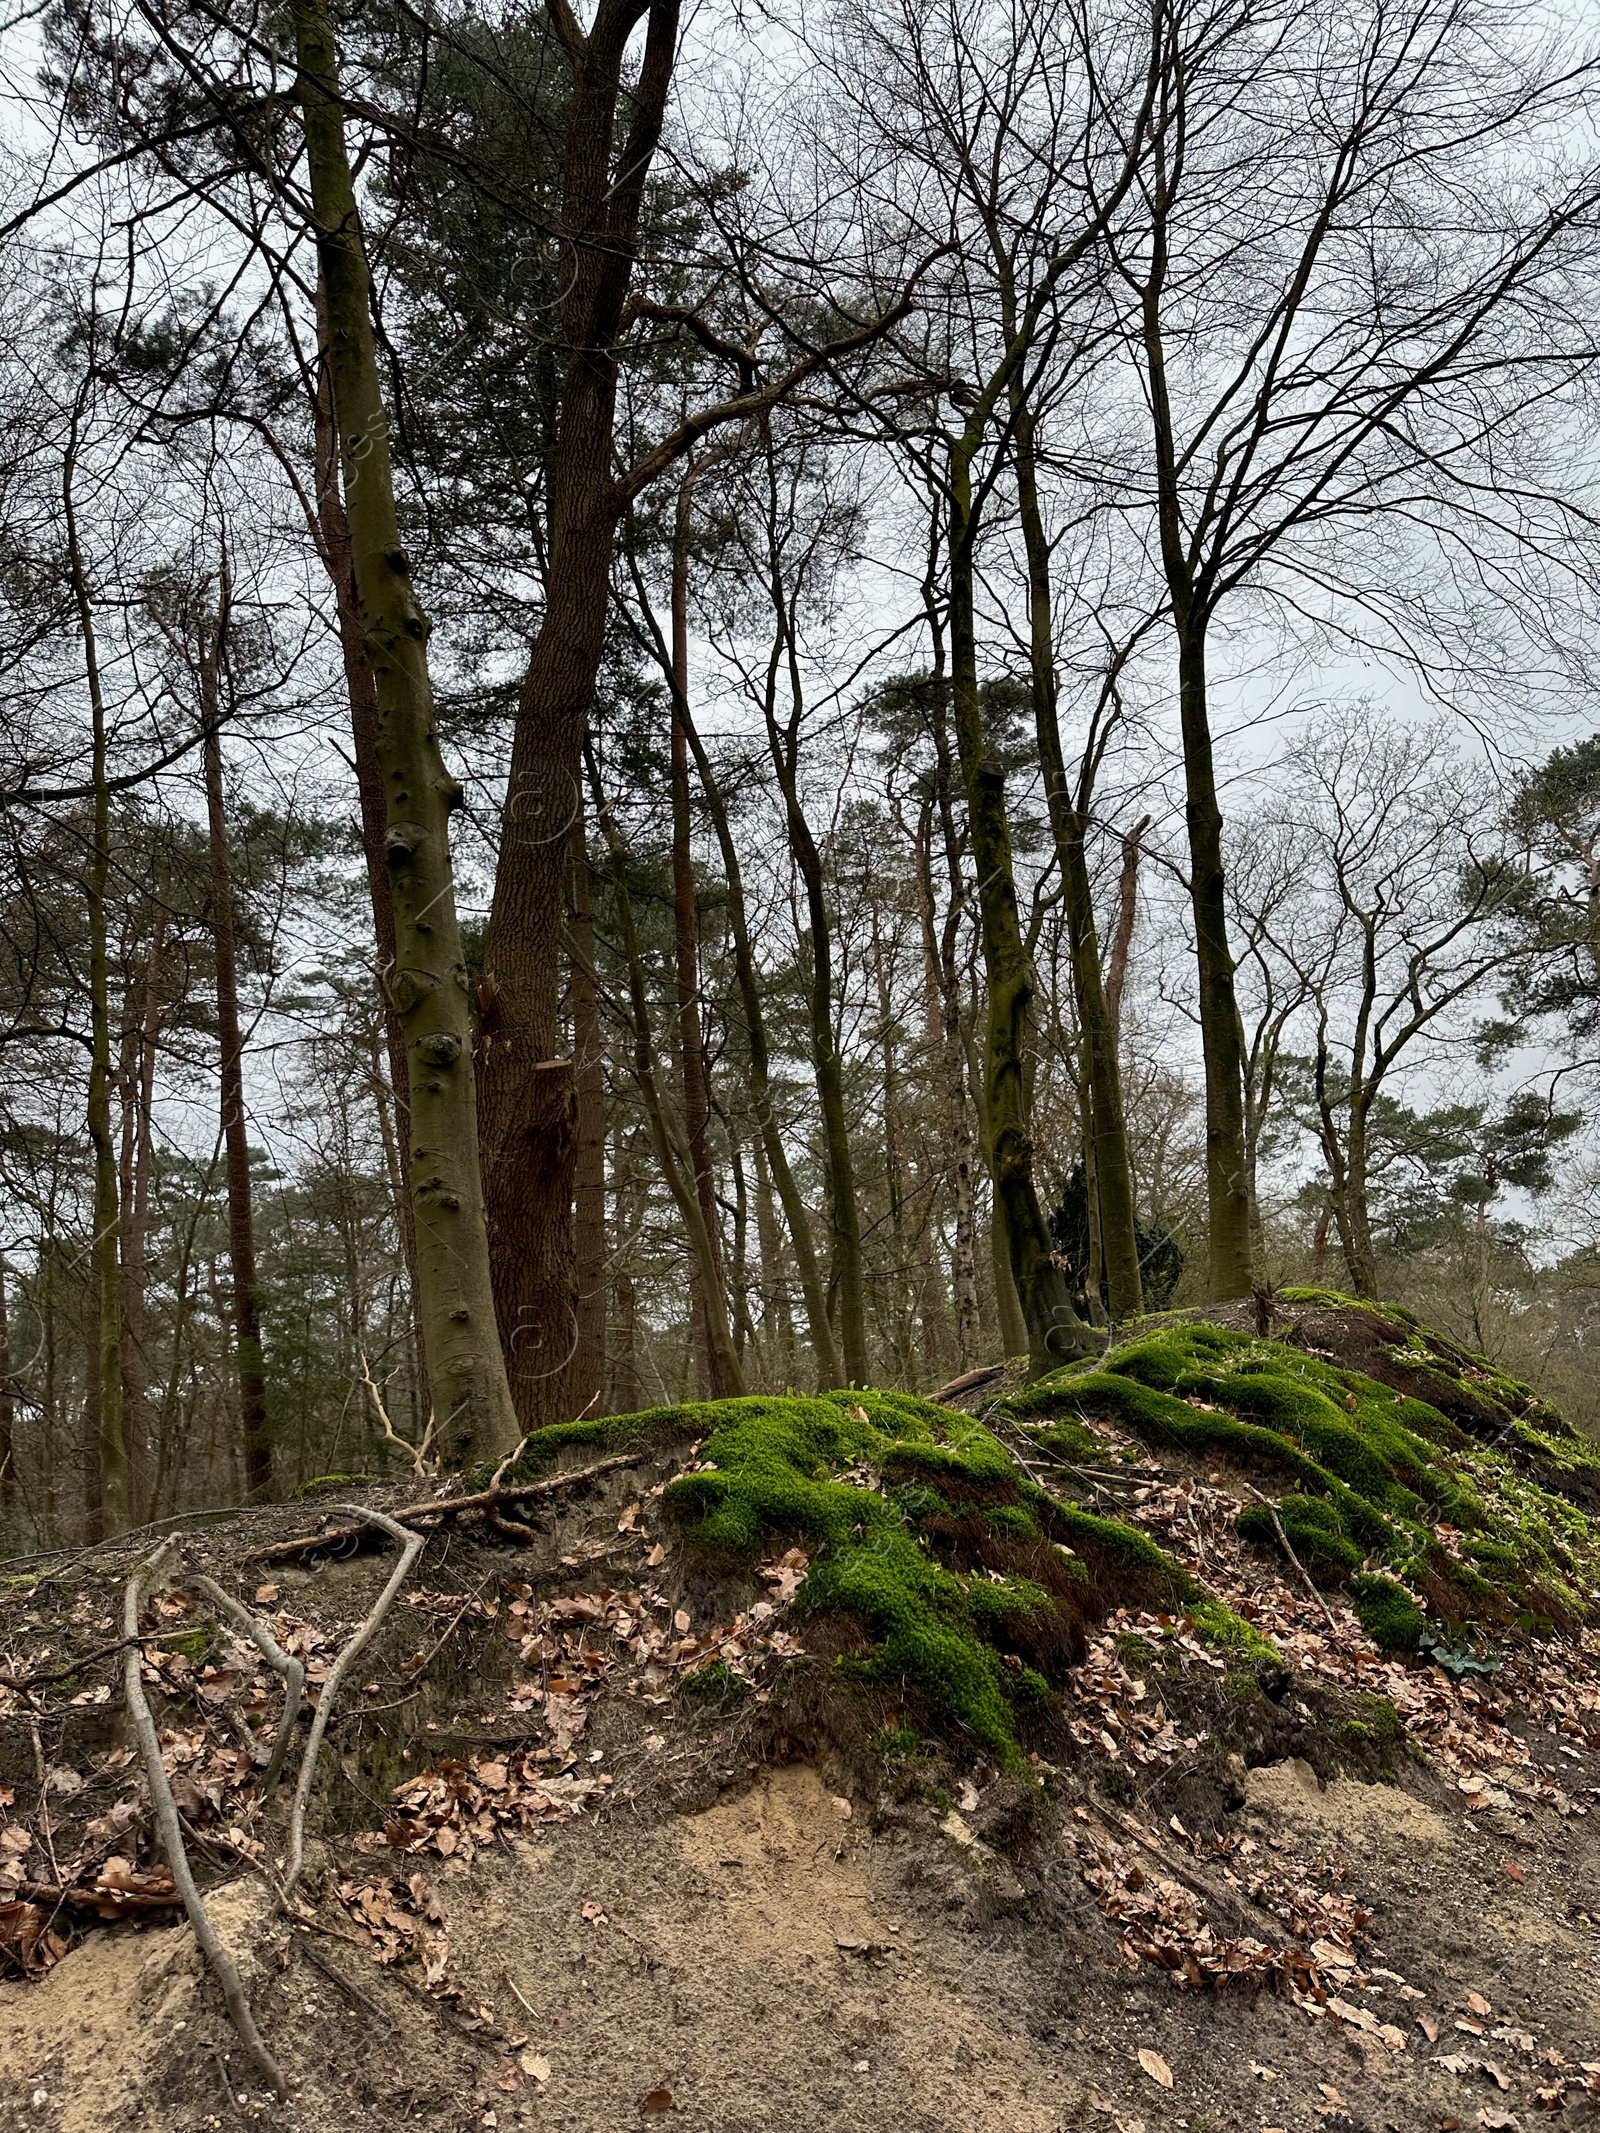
<point>600,1840</point>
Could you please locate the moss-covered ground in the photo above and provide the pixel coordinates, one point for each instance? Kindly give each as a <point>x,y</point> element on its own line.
<point>1459,1507</point>
<point>950,1575</point>
<point>957,1578</point>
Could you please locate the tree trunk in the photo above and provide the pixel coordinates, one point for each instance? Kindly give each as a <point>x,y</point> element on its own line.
<point>843,1207</point>
<point>669,1142</point>
<point>249,1362</point>
<point>1127,919</point>
<point>526,1093</point>
<point>824,1349</point>
<point>686,936</point>
<point>1055,1332</point>
<point>106,1492</point>
<point>1105,1140</point>
<point>626,1397</point>
<point>362,695</point>
<point>429,988</point>
<point>1227,1170</point>
<point>588,1386</point>
<point>8,1404</point>
<point>138,1077</point>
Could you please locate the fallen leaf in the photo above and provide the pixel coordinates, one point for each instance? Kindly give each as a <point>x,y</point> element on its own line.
<point>594,1915</point>
<point>1332,2094</point>
<point>656,1557</point>
<point>266,1594</point>
<point>1429,2027</point>
<point>535,2065</point>
<point>1156,2067</point>
<point>1478,2004</point>
<point>680,1623</point>
<point>1515,1871</point>
<point>842,1809</point>
<point>656,2100</point>
<point>1497,2119</point>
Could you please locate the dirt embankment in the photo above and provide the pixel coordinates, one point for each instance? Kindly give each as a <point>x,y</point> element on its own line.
<point>614,1828</point>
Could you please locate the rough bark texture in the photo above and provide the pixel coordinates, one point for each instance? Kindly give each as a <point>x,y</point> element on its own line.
<point>526,1095</point>
<point>249,1362</point>
<point>429,987</point>
<point>588,1386</point>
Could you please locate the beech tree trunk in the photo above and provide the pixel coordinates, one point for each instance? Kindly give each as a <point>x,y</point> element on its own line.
<point>1127,919</point>
<point>466,1372</point>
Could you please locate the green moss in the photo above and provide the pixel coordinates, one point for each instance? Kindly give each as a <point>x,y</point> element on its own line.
<point>1372,1470</point>
<point>195,1644</point>
<point>1388,1613</point>
<point>1312,1527</point>
<point>1217,1624</point>
<point>899,1744</point>
<point>330,1481</point>
<point>713,1685</point>
<point>1371,1720</point>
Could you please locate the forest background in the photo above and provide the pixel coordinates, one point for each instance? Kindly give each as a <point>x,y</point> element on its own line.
<point>973,713</point>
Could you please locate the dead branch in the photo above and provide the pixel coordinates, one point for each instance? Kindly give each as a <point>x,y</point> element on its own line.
<point>423,1464</point>
<point>348,1986</point>
<point>1283,1543</point>
<point>166,1813</point>
<point>442,1507</point>
<point>292,1670</point>
<point>412,1545</point>
<point>85,1896</point>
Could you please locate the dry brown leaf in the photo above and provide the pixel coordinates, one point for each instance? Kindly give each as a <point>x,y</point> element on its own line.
<point>1429,2027</point>
<point>1155,2066</point>
<point>656,2100</point>
<point>535,2065</point>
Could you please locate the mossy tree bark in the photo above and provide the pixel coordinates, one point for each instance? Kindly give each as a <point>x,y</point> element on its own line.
<point>466,1371</point>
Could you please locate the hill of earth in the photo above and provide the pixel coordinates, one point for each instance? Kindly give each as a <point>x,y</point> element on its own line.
<point>1205,1736</point>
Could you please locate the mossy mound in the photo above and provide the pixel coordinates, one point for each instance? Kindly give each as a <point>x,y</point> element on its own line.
<point>1479,1522</point>
<point>944,1570</point>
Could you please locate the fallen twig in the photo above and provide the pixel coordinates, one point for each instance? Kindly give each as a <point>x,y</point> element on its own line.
<point>166,1813</point>
<point>440,1507</point>
<point>336,1976</point>
<point>1283,1543</point>
<point>412,1545</point>
<point>292,1670</point>
<point>84,1896</point>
